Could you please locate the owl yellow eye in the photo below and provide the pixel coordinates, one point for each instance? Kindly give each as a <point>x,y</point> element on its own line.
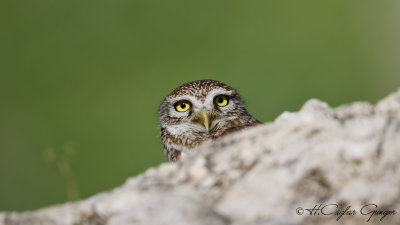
<point>182,106</point>
<point>221,100</point>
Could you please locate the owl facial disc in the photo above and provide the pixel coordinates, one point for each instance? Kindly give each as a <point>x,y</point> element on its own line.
<point>199,111</point>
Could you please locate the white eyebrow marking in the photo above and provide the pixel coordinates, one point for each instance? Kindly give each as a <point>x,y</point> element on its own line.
<point>216,92</point>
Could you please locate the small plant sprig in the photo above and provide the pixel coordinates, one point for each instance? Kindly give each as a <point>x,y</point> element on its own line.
<point>61,161</point>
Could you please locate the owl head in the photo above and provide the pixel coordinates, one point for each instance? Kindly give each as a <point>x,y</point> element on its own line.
<point>199,111</point>
<point>200,107</point>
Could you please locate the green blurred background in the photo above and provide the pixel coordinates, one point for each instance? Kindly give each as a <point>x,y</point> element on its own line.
<point>83,79</point>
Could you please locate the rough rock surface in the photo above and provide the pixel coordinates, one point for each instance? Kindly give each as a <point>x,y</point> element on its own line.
<point>348,156</point>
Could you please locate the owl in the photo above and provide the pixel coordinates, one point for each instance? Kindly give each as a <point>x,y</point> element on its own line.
<point>198,111</point>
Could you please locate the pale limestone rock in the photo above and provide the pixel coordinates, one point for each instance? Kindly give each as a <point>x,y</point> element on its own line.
<point>348,156</point>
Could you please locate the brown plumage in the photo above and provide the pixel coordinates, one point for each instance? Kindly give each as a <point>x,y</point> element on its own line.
<point>198,111</point>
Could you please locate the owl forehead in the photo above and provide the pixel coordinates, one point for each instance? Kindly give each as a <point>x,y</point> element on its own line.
<point>200,89</point>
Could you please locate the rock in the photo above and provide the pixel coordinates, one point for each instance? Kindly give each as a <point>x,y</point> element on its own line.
<point>332,160</point>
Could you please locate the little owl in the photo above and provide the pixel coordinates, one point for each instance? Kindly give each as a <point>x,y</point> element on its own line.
<point>198,111</point>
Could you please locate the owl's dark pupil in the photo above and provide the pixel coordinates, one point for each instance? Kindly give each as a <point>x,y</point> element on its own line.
<point>183,105</point>
<point>220,100</point>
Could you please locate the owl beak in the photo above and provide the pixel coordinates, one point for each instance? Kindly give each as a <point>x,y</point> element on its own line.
<point>205,119</point>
